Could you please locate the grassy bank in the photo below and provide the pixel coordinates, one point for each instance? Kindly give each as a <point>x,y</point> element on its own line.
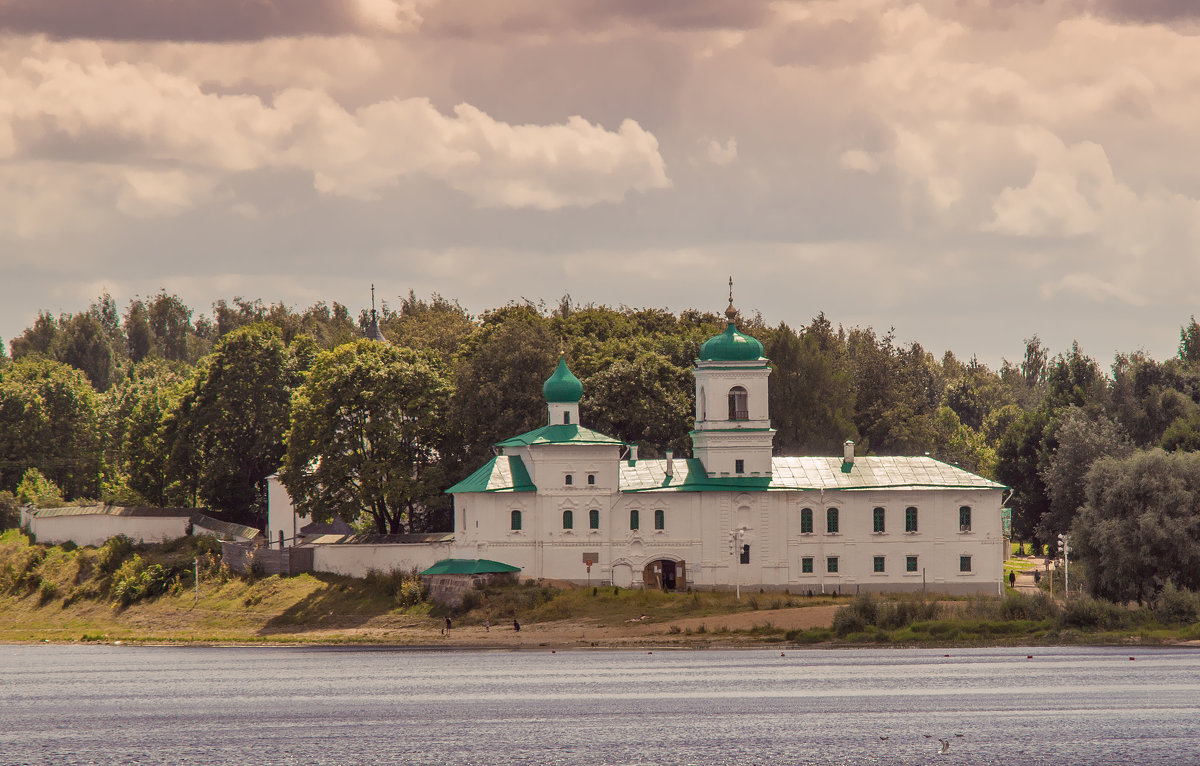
<point>126,592</point>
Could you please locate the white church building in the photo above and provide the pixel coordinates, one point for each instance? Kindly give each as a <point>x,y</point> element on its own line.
<point>565,502</point>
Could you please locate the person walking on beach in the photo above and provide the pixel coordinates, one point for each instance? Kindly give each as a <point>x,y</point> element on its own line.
<point>516,625</point>
<point>447,631</point>
<point>487,626</point>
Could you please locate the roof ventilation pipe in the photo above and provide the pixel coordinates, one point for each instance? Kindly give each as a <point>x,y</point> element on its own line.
<point>848,452</point>
<point>632,453</point>
<point>670,463</point>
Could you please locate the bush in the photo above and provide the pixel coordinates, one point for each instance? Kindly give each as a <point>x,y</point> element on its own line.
<point>113,553</point>
<point>855,616</point>
<point>1176,606</point>
<point>47,591</point>
<point>1093,613</point>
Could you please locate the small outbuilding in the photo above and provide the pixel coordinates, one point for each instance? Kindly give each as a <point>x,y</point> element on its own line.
<point>449,579</point>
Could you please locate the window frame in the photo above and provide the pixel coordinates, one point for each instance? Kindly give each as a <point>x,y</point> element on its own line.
<point>911,520</point>
<point>660,519</point>
<point>514,520</point>
<point>912,564</point>
<point>591,479</point>
<point>965,561</point>
<point>878,519</point>
<point>964,518</point>
<point>568,520</point>
<point>568,480</point>
<point>635,520</point>
<point>832,524</point>
<point>806,521</point>
<point>806,565</point>
<point>738,395</point>
<point>594,519</point>
<point>739,465</point>
<point>879,564</point>
<point>831,565</point>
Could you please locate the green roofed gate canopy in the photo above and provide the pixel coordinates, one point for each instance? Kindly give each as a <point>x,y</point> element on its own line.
<point>469,566</point>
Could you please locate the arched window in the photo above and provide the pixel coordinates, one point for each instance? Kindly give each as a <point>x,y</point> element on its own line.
<point>660,520</point>
<point>568,520</point>
<point>633,519</point>
<point>739,407</point>
<point>806,521</point>
<point>516,519</point>
<point>593,519</point>
<point>831,520</point>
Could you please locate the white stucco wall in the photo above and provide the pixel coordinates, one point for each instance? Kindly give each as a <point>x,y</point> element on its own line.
<point>96,529</point>
<point>355,560</point>
<point>281,514</point>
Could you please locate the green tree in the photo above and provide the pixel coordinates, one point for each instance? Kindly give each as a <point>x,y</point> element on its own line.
<point>48,421</point>
<point>38,490</point>
<point>1081,440</point>
<point>139,339</point>
<point>438,325</point>
<point>1139,527</point>
<point>38,339</point>
<point>1189,342</point>
<point>498,381</point>
<point>811,389</point>
<point>238,414</point>
<point>1017,460</point>
<point>648,401</point>
<point>142,407</point>
<point>84,343</point>
<point>170,325</point>
<point>366,428</point>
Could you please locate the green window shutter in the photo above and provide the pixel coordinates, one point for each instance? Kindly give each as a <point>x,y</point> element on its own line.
<point>633,519</point>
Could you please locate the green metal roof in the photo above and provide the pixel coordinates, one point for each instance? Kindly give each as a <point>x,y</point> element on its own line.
<point>503,473</point>
<point>731,346</point>
<point>805,473</point>
<point>559,434</point>
<point>562,387</point>
<point>469,566</point>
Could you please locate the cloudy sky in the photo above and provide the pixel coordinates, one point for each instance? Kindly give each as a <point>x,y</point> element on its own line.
<point>970,172</point>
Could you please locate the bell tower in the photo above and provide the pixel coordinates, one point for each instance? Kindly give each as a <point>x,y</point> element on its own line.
<point>733,433</point>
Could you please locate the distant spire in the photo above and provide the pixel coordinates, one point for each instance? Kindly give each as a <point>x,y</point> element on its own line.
<point>730,311</point>
<point>373,332</point>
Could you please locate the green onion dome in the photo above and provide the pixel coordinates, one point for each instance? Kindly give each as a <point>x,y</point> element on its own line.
<point>731,346</point>
<point>563,387</point>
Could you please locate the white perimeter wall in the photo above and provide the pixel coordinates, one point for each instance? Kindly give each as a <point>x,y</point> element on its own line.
<point>357,559</point>
<point>94,530</point>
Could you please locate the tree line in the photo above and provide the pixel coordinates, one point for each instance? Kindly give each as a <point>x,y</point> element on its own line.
<point>155,405</point>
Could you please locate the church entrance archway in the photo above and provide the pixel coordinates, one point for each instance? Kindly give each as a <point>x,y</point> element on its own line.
<point>665,574</point>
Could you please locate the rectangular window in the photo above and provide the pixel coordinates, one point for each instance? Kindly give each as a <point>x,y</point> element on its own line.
<point>745,554</point>
<point>879,563</point>
<point>964,519</point>
<point>568,520</point>
<point>831,564</point>
<point>878,515</point>
<point>660,520</point>
<point>806,565</point>
<point>739,466</point>
<point>964,563</point>
<point>910,563</point>
<point>806,521</point>
<point>593,519</point>
<point>633,519</point>
<point>831,520</point>
<point>910,519</point>
<point>591,478</point>
<point>515,518</point>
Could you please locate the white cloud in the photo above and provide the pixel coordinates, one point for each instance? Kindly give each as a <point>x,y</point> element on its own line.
<point>1093,288</point>
<point>721,154</point>
<point>857,159</point>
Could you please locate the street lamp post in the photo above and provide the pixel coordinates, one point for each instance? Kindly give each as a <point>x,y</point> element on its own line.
<point>1064,543</point>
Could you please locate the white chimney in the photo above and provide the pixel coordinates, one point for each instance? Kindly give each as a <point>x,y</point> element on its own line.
<point>633,453</point>
<point>670,462</point>
<point>848,452</point>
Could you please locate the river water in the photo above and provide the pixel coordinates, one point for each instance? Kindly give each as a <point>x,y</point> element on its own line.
<point>266,706</point>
